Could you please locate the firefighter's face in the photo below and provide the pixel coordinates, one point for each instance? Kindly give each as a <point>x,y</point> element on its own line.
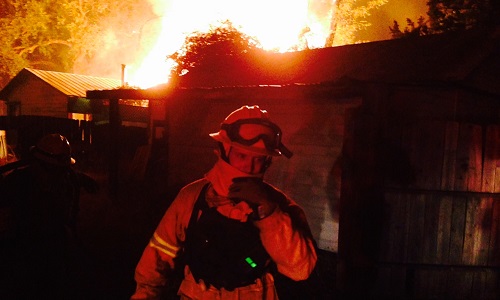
<point>246,161</point>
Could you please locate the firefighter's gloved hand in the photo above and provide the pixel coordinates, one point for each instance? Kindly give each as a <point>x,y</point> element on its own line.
<point>254,192</point>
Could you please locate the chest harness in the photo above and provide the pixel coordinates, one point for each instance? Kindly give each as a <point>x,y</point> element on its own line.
<point>223,252</point>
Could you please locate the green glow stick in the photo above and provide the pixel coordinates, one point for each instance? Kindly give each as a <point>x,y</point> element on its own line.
<point>251,262</point>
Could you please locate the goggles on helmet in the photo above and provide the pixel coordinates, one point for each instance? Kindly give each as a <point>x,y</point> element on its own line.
<point>249,131</point>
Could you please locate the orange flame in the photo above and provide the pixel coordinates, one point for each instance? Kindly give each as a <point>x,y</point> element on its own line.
<point>277,24</point>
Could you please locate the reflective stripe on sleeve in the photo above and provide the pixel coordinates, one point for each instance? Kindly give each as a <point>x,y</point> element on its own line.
<point>158,243</point>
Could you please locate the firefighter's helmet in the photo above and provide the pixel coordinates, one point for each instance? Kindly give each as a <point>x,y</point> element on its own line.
<point>250,128</point>
<point>53,149</point>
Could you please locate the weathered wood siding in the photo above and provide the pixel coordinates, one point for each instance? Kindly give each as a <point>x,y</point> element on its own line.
<point>441,238</point>
<point>420,195</point>
<point>38,98</point>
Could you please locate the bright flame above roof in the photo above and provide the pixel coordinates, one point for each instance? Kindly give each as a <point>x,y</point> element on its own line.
<point>277,24</point>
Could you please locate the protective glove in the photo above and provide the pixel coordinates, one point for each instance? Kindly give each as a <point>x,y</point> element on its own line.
<point>253,191</point>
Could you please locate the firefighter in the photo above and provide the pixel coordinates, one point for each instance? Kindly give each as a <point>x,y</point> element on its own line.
<point>230,233</point>
<point>43,196</point>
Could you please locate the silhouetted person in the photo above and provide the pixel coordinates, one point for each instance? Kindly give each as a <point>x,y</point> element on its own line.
<point>43,201</point>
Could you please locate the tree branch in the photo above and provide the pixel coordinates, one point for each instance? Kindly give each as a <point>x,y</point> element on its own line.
<point>31,49</point>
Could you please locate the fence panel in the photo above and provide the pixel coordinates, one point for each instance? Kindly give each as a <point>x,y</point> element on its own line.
<point>443,232</point>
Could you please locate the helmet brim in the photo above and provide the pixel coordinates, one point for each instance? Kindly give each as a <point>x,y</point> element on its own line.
<point>51,160</point>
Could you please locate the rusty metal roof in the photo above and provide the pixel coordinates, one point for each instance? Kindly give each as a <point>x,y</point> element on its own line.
<point>67,83</point>
<point>74,84</point>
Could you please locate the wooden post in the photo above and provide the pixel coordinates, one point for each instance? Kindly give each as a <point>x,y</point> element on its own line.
<point>114,131</point>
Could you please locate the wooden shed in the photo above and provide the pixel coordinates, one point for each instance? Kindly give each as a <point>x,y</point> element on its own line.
<point>396,151</point>
<point>54,94</point>
<point>39,102</point>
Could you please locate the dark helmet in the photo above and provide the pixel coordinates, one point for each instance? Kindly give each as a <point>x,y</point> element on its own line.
<point>53,149</point>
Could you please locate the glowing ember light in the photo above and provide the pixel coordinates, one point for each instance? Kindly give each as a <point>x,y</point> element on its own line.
<point>279,25</point>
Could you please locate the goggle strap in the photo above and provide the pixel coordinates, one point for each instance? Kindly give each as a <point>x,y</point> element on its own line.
<point>285,151</point>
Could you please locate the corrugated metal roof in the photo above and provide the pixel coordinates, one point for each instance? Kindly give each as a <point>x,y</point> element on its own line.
<point>74,84</point>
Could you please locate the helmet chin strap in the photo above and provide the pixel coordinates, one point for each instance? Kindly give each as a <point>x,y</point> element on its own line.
<point>267,164</point>
<point>223,153</point>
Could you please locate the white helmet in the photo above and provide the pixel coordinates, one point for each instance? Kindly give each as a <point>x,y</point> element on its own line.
<point>250,128</point>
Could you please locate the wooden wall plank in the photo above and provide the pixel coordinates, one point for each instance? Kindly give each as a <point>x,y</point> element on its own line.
<point>470,230</point>
<point>475,166</point>
<point>465,136</point>
<point>422,282</point>
<point>494,245</point>
<point>441,283</point>
<point>491,161</point>
<point>390,225</point>
<point>409,144</point>
<point>399,228</point>
<point>430,284</point>
<point>428,154</point>
<point>416,232</point>
<point>428,135</point>
<point>395,227</point>
<point>447,283</point>
<point>479,282</point>
<point>444,229</point>
<point>459,284</point>
<point>391,282</point>
<point>483,228</point>
<point>431,225</point>
<point>457,230</point>
<point>449,156</point>
<point>386,229</point>
<point>406,214</point>
<point>492,284</point>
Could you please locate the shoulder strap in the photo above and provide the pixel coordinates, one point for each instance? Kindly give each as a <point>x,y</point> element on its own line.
<point>199,205</point>
<point>182,257</point>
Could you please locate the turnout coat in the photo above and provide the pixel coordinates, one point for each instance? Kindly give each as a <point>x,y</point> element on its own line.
<point>285,235</point>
